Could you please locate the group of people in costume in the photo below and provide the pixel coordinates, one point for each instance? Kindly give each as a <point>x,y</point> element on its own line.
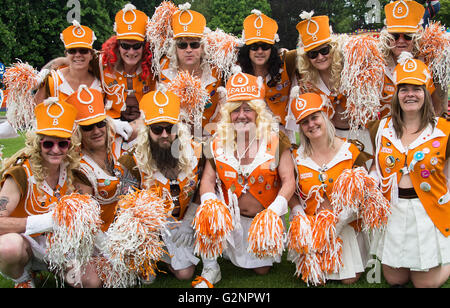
<point>183,145</point>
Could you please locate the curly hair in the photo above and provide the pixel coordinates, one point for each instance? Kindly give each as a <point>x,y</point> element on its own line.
<point>32,151</point>
<point>111,56</point>
<point>265,122</point>
<point>274,64</point>
<point>309,75</point>
<point>147,166</point>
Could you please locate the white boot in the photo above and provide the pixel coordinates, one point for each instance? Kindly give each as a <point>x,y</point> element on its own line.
<point>210,276</point>
<point>7,131</point>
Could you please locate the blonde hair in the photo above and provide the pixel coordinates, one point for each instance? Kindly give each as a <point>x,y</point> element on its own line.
<point>331,132</point>
<point>110,133</point>
<point>265,121</point>
<point>32,151</point>
<point>309,75</point>
<point>172,53</point>
<point>386,39</point>
<point>147,166</point>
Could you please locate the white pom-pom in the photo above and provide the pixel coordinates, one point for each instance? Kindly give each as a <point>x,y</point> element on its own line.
<point>236,69</point>
<point>129,7</point>
<point>256,12</point>
<point>306,15</point>
<point>185,7</point>
<point>404,57</point>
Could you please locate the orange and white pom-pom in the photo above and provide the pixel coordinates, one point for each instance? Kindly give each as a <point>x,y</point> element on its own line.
<point>133,243</point>
<point>212,224</point>
<point>310,268</point>
<point>265,236</point>
<point>324,231</point>
<point>193,97</point>
<point>434,48</point>
<point>221,51</point>
<point>300,234</point>
<point>21,79</point>
<point>362,79</point>
<point>159,32</point>
<point>349,190</point>
<point>375,210</point>
<point>77,221</point>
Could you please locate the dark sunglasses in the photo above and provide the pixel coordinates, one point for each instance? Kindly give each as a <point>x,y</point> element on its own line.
<point>312,54</point>
<point>88,128</point>
<point>49,144</point>
<point>407,37</point>
<point>158,129</point>
<point>184,45</point>
<point>128,46</point>
<point>257,46</point>
<point>81,51</point>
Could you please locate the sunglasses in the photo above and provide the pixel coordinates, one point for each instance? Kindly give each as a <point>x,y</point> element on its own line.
<point>88,128</point>
<point>158,129</point>
<point>263,46</point>
<point>49,144</point>
<point>184,45</point>
<point>81,51</point>
<point>128,46</point>
<point>407,37</point>
<point>312,54</point>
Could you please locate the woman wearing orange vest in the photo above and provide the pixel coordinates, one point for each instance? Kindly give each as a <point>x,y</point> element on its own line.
<point>82,65</point>
<point>249,165</point>
<point>167,159</point>
<point>259,56</point>
<point>125,65</point>
<point>320,160</point>
<point>412,150</point>
<point>404,32</point>
<point>32,180</point>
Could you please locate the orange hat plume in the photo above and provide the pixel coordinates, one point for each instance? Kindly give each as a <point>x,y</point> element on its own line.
<point>77,222</point>
<point>212,224</point>
<point>434,48</point>
<point>21,79</point>
<point>362,79</point>
<point>159,32</point>
<point>221,51</point>
<point>265,236</point>
<point>193,97</point>
<point>133,243</point>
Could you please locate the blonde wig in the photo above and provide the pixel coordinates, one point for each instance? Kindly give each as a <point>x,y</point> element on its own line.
<point>32,151</point>
<point>172,53</point>
<point>265,122</point>
<point>181,149</point>
<point>309,75</point>
<point>330,130</point>
<point>386,43</point>
<point>110,134</point>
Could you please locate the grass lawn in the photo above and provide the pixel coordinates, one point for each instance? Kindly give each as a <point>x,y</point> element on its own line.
<point>281,275</point>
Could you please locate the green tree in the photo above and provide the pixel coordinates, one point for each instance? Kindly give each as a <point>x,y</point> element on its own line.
<point>444,13</point>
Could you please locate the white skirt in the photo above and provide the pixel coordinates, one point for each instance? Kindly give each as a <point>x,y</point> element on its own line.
<point>355,254</point>
<point>410,239</point>
<point>237,245</point>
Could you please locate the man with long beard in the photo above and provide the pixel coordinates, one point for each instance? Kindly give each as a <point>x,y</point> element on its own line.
<point>166,158</point>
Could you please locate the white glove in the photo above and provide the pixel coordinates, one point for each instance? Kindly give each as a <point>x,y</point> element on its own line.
<point>40,223</point>
<point>123,128</point>
<point>184,236</point>
<point>279,206</point>
<point>296,210</point>
<point>344,218</point>
<point>207,196</point>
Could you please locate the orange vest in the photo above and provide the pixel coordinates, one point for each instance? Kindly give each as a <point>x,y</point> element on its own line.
<point>262,179</point>
<point>210,81</point>
<point>424,160</point>
<point>187,186</point>
<point>277,97</point>
<point>116,90</point>
<point>33,203</point>
<point>315,182</point>
<point>59,87</point>
<point>107,188</point>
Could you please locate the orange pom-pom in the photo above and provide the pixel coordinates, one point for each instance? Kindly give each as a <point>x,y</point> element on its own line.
<point>300,234</point>
<point>212,224</point>
<point>265,236</point>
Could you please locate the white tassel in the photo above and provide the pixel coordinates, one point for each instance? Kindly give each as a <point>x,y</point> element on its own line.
<point>306,16</point>
<point>256,12</point>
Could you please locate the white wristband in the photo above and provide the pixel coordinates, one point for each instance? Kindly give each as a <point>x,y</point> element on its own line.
<point>39,223</point>
<point>279,205</point>
<point>207,196</point>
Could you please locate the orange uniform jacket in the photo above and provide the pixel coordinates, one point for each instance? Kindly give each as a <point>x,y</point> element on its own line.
<point>424,160</point>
